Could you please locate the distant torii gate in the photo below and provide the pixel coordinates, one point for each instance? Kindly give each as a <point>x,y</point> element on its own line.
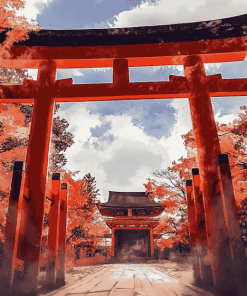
<point>190,45</point>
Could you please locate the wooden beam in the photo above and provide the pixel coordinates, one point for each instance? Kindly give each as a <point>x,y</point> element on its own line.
<point>142,46</point>
<point>211,51</point>
<point>176,87</point>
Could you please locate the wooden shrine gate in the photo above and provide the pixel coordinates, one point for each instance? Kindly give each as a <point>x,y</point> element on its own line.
<point>190,45</point>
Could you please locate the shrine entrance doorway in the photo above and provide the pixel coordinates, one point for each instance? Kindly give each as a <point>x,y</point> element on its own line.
<point>132,218</point>
<point>131,244</point>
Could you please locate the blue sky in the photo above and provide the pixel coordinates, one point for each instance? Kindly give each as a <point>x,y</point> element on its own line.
<point>122,142</point>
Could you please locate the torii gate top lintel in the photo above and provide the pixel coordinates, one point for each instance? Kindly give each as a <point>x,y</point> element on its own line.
<point>219,40</point>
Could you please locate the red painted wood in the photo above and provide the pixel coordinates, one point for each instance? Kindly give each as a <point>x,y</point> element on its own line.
<point>193,230</point>
<point>120,72</point>
<point>202,247</point>
<point>212,51</point>
<point>176,87</point>
<point>113,242</point>
<point>232,222</point>
<point>62,235</point>
<point>152,242</point>
<point>230,208</point>
<point>12,228</point>
<point>53,235</point>
<point>191,215</point>
<point>208,148</point>
<point>37,161</point>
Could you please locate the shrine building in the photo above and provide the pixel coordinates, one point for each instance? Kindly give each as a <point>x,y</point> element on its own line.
<point>132,218</point>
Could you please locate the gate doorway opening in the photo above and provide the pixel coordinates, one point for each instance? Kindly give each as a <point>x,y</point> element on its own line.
<point>132,244</point>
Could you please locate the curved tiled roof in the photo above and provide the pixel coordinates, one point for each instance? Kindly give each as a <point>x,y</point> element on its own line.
<point>129,200</point>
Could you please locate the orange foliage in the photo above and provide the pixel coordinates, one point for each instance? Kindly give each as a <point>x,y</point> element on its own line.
<point>17,26</point>
<point>233,140</point>
<point>84,226</point>
<point>171,190</point>
<point>13,138</point>
<point>13,131</point>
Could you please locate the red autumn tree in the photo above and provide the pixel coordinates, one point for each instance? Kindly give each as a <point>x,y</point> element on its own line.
<point>13,130</point>
<point>233,138</point>
<point>85,226</point>
<point>169,184</point>
<point>13,142</point>
<point>15,121</point>
<point>13,28</point>
<point>170,192</point>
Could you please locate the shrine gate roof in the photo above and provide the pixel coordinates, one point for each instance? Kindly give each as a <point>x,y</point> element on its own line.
<point>220,40</point>
<point>129,200</point>
<point>204,30</point>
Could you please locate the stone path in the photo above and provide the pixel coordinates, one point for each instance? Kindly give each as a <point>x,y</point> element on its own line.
<point>129,280</point>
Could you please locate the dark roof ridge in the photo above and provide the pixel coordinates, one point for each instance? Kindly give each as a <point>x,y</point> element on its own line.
<point>229,27</point>
<point>129,200</point>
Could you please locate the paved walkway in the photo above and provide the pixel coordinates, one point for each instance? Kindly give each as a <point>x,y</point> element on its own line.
<point>129,280</point>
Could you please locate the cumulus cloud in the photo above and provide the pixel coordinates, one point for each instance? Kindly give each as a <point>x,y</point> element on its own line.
<point>122,164</point>
<point>174,143</point>
<point>224,118</point>
<point>129,158</point>
<point>33,8</point>
<point>227,109</point>
<point>164,12</point>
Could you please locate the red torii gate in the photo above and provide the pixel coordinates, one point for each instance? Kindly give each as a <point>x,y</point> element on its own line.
<point>190,45</point>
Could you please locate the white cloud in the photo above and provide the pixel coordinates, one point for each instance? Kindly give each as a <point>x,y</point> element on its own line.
<point>212,68</point>
<point>95,25</point>
<point>164,12</point>
<point>69,72</point>
<point>224,119</point>
<point>33,8</point>
<point>121,165</point>
<point>80,121</point>
<point>33,73</point>
<point>179,68</point>
<point>74,72</point>
<point>174,143</point>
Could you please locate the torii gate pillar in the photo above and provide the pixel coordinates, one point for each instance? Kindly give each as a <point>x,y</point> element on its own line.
<point>208,148</point>
<point>202,246</point>
<point>35,184</point>
<point>193,231</point>
<point>60,279</point>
